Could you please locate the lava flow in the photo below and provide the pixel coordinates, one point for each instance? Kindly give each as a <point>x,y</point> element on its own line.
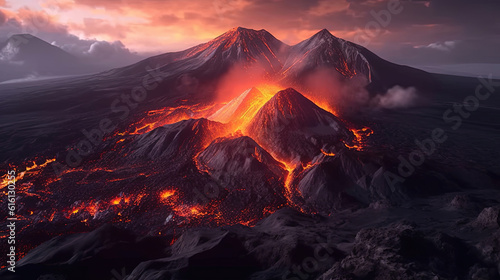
<point>29,171</point>
<point>237,114</point>
<point>168,115</point>
<point>360,142</point>
<point>118,199</point>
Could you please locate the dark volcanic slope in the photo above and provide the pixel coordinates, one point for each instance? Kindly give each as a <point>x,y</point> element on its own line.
<point>208,60</point>
<point>250,174</point>
<point>240,157</point>
<point>293,127</point>
<point>372,243</point>
<point>337,183</point>
<point>180,140</point>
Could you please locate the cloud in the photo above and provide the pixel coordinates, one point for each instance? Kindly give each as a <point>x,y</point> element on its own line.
<point>396,97</point>
<point>46,27</point>
<point>446,46</point>
<point>101,53</point>
<point>329,87</point>
<point>60,5</point>
<point>110,4</point>
<point>167,19</point>
<point>325,7</point>
<point>106,50</point>
<point>95,26</point>
<point>461,52</point>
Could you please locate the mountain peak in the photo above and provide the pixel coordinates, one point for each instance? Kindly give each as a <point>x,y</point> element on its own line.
<point>290,94</point>
<point>241,32</point>
<point>25,38</point>
<point>242,44</point>
<point>323,34</point>
<point>321,38</point>
<point>26,35</point>
<point>242,29</point>
<point>324,31</point>
<point>289,102</point>
<point>35,51</point>
<point>240,35</point>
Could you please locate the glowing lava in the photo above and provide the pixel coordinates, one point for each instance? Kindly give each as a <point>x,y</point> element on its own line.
<point>360,140</point>
<point>169,115</point>
<point>241,110</point>
<point>327,153</point>
<point>237,113</point>
<point>166,194</point>
<point>32,170</point>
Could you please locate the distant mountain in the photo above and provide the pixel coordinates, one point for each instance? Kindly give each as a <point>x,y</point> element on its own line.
<point>25,55</point>
<point>211,59</point>
<point>30,49</point>
<point>247,48</point>
<point>324,49</point>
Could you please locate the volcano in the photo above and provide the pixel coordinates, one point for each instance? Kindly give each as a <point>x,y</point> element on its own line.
<point>325,50</point>
<point>294,128</point>
<point>191,78</point>
<point>30,50</point>
<point>238,45</point>
<point>177,168</point>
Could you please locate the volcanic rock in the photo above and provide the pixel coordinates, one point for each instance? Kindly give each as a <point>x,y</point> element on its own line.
<point>178,140</point>
<point>401,251</point>
<point>489,217</point>
<point>325,50</point>
<point>331,185</point>
<point>253,178</point>
<point>292,127</point>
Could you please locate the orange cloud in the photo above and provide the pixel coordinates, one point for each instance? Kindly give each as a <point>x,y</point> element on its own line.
<point>38,21</point>
<point>62,5</point>
<point>95,26</point>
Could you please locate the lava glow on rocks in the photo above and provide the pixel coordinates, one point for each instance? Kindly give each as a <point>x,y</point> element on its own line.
<point>236,115</point>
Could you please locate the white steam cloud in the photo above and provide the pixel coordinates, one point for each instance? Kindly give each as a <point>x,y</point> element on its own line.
<point>397,97</point>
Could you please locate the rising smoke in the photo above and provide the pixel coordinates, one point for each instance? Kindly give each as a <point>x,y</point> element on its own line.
<point>348,95</point>
<point>326,85</point>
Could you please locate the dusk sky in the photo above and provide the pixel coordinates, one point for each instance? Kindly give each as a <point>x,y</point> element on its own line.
<point>438,32</point>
